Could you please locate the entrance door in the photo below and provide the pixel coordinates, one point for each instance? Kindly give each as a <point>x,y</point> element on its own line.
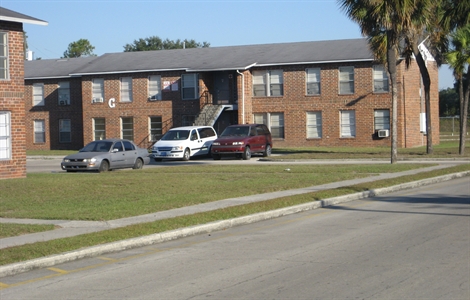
<point>222,88</point>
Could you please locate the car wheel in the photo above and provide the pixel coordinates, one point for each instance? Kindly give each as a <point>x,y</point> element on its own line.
<point>186,155</point>
<point>246,153</point>
<point>158,159</point>
<point>267,151</point>
<point>104,167</point>
<point>216,156</point>
<point>139,164</point>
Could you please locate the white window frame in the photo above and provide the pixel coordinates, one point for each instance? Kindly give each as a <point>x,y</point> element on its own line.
<point>313,81</point>
<point>65,131</point>
<point>99,133</point>
<point>268,83</point>
<point>381,119</point>
<point>155,128</point>
<point>154,88</point>
<point>4,56</point>
<point>5,135</point>
<point>38,94</point>
<point>274,121</point>
<point>64,93</point>
<point>380,79</point>
<point>189,86</point>
<point>347,123</point>
<point>126,89</point>
<point>39,131</point>
<point>346,80</point>
<point>314,125</point>
<point>97,90</point>
<point>127,128</point>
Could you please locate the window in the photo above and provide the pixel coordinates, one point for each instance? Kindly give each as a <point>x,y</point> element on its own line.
<point>348,123</point>
<point>98,90</point>
<point>5,135</point>
<point>4,69</point>
<point>188,120</point>
<point>313,81</point>
<point>126,89</point>
<point>268,83</point>
<point>155,92</point>
<point>381,119</point>
<point>380,79</point>
<point>128,146</point>
<point>346,80</point>
<point>64,93</point>
<point>274,121</point>
<point>39,131</point>
<point>99,129</point>
<point>189,86</point>
<point>314,124</point>
<point>65,131</point>
<point>38,94</point>
<point>127,128</point>
<point>155,128</point>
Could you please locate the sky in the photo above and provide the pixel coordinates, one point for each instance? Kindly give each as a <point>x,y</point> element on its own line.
<point>111,24</point>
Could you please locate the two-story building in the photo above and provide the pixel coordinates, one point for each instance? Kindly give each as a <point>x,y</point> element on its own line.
<point>12,108</point>
<point>323,93</point>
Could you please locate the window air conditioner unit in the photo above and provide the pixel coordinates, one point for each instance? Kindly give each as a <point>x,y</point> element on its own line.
<point>153,98</point>
<point>62,102</point>
<point>96,100</point>
<point>383,133</point>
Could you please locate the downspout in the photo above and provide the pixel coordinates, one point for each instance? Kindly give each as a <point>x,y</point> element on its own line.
<point>243,96</point>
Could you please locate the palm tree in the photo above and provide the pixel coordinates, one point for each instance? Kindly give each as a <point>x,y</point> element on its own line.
<point>383,22</point>
<point>459,60</point>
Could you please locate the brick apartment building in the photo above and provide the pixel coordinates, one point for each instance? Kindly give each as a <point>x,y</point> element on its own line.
<point>12,108</point>
<point>324,93</point>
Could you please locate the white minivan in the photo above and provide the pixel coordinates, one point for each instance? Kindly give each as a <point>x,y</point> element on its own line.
<point>184,143</point>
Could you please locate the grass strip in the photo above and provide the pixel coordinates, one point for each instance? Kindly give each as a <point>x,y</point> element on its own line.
<point>41,249</point>
<point>8,230</point>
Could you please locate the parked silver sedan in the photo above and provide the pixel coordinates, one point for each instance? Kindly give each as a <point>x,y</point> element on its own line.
<point>105,155</point>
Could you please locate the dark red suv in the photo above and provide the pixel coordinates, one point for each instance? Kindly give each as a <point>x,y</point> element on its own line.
<point>242,141</point>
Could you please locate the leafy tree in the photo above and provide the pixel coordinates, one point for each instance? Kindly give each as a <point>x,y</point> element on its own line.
<point>448,102</point>
<point>383,22</point>
<point>80,48</point>
<point>459,60</point>
<point>156,43</point>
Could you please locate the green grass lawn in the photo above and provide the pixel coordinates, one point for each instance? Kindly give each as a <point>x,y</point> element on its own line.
<point>26,252</point>
<point>119,194</point>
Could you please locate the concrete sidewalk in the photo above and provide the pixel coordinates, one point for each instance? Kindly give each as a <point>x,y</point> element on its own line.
<point>72,228</point>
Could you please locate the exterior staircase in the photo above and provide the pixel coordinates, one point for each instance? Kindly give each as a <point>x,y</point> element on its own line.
<point>209,114</point>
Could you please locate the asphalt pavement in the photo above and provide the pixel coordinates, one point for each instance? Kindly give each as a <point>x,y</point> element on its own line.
<point>68,228</point>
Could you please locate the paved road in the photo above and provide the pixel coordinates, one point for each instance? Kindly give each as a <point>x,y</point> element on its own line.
<point>411,244</point>
<point>51,164</point>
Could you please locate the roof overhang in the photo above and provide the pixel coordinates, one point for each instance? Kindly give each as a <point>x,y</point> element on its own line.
<point>126,72</point>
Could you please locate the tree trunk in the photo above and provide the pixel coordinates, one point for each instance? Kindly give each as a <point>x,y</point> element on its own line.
<point>464,98</point>
<point>427,95</point>
<point>392,70</point>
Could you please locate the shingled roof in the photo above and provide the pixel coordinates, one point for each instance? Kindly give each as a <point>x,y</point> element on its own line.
<point>13,16</point>
<point>210,59</point>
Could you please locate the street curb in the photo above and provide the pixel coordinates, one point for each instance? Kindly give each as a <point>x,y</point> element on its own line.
<point>48,261</point>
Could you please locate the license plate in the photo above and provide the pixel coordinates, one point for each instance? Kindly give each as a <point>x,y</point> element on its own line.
<point>163,154</point>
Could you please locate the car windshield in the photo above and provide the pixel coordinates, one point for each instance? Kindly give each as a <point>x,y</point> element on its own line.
<point>236,131</point>
<point>97,146</point>
<point>176,135</point>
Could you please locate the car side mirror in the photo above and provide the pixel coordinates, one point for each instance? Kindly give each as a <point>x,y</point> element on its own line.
<point>115,150</point>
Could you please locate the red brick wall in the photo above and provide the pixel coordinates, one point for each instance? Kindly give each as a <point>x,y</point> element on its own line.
<point>11,99</point>
<point>51,112</point>
<point>171,108</point>
<point>295,103</point>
